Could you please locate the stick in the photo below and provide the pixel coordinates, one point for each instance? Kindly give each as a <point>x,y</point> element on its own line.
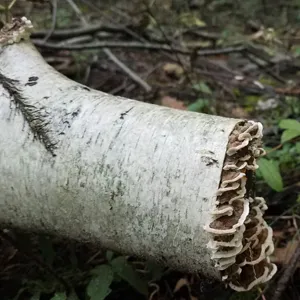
<point>54,15</point>
<point>127,70</point>
<point>109,44</point>
<point>74,32</point>
<point>78,12</point>
<point>287,274</point>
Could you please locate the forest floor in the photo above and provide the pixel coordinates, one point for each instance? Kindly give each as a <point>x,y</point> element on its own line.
<point>231,58</point>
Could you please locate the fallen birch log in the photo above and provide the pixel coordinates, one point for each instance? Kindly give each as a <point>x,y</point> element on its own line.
<point>155,182</point>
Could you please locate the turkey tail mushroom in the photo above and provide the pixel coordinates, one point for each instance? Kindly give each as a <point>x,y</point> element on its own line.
<point>241,241</point>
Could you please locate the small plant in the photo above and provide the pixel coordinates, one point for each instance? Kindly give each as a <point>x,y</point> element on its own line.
<point>115,270</point>
<point>283,157</point>
<point>5,10</point>
<point>202,104</point>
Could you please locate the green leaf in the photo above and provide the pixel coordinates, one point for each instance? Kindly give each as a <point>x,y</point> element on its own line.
<point>203,87</point>
<point>198,106</point>
<point>297,147</point>
<point>109,255</point>
<point>290,124</point>
<point>59,296</point>
<point>271,174</point>
<point>296,51</point>
<point>289,134</point>
<point>98,287</point>
<point>127,273</point>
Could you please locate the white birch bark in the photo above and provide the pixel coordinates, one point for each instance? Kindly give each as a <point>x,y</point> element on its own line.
<point>135,177</point>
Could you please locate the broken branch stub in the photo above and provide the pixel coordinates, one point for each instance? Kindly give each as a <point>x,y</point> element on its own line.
<point>159,183</point>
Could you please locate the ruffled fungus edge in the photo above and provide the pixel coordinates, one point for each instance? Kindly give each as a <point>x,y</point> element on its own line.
<point>15,31</point>
<point>240,239</point>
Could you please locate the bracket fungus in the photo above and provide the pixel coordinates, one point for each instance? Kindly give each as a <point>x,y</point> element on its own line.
<point>19,28</point>
<point>241,241</point>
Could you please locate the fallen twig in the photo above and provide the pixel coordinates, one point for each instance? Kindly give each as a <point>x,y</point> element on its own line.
<point>288,272</point>
<point>77,40</point>
<point>78,12</point>
<point>74,32</point>
<point>227,50</point>
<point>109,44</point>
<point>265,67</point>
<point>136,45</point>
<point>54,15</point>
<point>111,56</point>
<point>127,70</point>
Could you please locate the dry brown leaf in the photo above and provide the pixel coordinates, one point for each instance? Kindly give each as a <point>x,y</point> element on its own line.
<point>181,283</point>
<point>173,103</point>
<point>283,255</point>
<point>173,70</point>
<point>279,234</point>
<point>238,112</point>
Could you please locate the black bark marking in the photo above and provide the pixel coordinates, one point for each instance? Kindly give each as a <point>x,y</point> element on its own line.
<point>125,113</point>
<point>33,78</point>
<point>77,87</point>
<point>36,120</point>
<point>75,113</point>
<point>209,161</point>
<point>97,138</point>
<point>89,141</point>
<point>83,134</point>
<point>30,83</point>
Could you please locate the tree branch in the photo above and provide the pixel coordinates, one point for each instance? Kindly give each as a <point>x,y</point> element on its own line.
<point>137,178</point>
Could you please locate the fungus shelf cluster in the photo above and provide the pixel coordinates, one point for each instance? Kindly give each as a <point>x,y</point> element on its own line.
<point>241,241</point>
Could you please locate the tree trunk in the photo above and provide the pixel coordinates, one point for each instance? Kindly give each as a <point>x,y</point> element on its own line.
<point>134,177</point>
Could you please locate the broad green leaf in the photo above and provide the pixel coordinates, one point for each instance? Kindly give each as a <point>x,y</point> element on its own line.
<point>289,134</point>
<point>47,250</point>
<point>296,51</point>
<point>98,270</point>
<point>127,273</point>
<point>290,124</point>
<point>109,255</point>
<point>98,287</point>
<point>203,87</point>
<point>198,106</point>
<point>59,296</point>
<point>270,172</point>
<point>298,147</point>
